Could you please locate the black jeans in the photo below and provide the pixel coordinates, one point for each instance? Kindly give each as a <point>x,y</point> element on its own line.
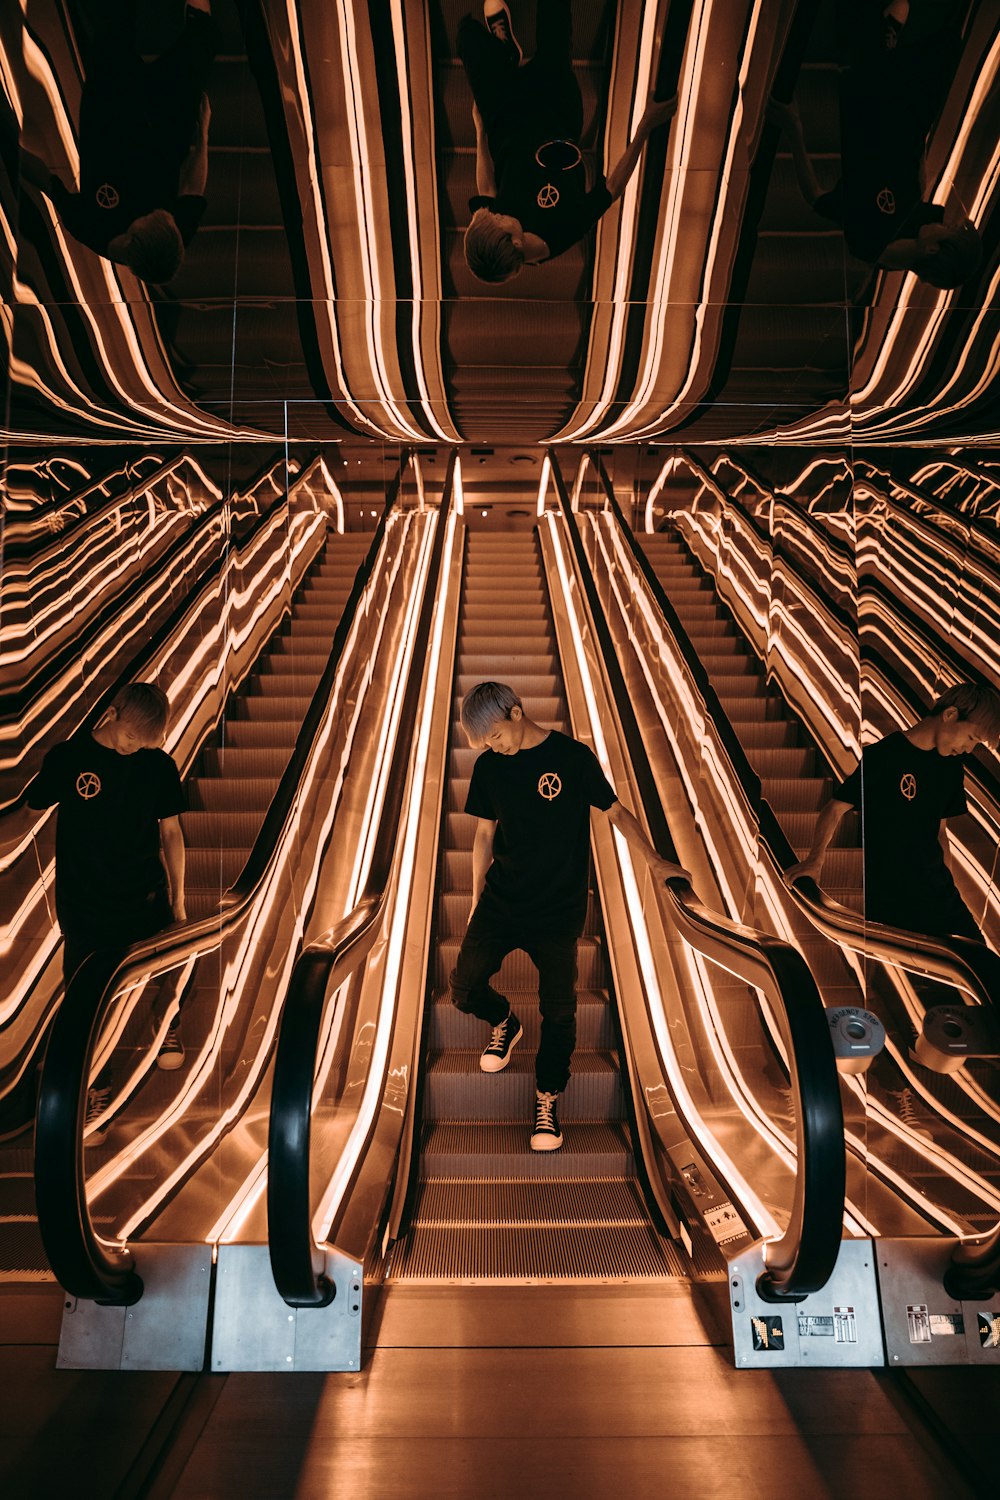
<point>506,93</point>
<point>488,940</point>
<point>160,99</point>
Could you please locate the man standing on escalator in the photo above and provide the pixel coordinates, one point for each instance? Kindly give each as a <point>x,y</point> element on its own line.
<point>531,793</point>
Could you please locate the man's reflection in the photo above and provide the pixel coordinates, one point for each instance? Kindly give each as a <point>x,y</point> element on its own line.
<point>143,143</point>
<point>903,59</point>
<point>906,788</point>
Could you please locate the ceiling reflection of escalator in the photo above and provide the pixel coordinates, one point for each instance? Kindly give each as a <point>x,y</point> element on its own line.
<point>487,1207</point>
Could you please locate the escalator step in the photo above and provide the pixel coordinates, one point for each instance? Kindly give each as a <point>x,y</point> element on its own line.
<point>517,971</point>
<point>562,1202</point>
<point>485,1148</point>
<point>535,1253</point>
<point>230,793</point>
<point>456,1089</point>
<point>449,1028</point>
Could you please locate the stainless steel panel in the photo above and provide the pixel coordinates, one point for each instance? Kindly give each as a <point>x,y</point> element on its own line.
<point>923,1325</point>
<point>165,1330</point>
<point>838,1326</point>
<point>254,1329</point>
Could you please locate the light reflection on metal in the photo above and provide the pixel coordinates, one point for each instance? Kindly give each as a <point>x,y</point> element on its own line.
<point>730,1172</point>
<point>374,1085</point>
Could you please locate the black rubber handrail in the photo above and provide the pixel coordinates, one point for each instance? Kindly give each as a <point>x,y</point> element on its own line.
<point>80,1263</point>
<point>319,971</point>
<point>974,1272</point>
<point>83,1264</point>
<point>960,962</point>
<point>803,1260</point>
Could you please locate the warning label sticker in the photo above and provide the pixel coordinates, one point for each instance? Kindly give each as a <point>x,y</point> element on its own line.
<point>918,1319</point>
<point>947,1325</point>
<point>724,1223</point>
<point>767,1333</point>
<point>845,1327</point>
<point>814,1325</point>
<point>989,1330</point>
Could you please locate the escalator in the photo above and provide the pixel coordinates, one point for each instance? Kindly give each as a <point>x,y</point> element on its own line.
<point>486,1206</point>
<point>234,779</point>
<point>933,1141</point>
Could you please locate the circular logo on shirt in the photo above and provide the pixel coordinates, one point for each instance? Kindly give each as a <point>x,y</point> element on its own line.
<point>107,196</point>
<point>549,786</point>
<point>886,201</point>
<point>908,786</point>
<point>88,784</point>
<point>548,196</point>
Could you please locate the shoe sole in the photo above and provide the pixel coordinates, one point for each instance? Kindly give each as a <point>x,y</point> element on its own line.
<point>546,1142</point>
<point>497,1065</point>
<point>170,1061</point>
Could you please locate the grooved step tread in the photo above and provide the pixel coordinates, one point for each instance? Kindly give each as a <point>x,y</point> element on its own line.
<point>536,1253</point>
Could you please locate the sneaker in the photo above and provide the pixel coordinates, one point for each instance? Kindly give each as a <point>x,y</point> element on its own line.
<point>503,1039</point>
<point>97,1116</point>
<point>547,1136</point>
<point>171,1053</point>
<point>498,24</point>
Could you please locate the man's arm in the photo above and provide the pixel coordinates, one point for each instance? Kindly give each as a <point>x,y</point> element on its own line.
<point>172,842</point>
<point>631,831</point>
<point>656,113</point>
<point>482,858</point>
<point>36,173</point>
<point>829,821</point>
<point>194,172</point>
<point>486,183</point>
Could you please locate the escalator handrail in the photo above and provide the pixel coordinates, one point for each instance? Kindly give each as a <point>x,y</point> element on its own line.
<point>319,971</point>
<point>804,1258</point>
<point>958,962</point>
<point>968,966</point>
<point>82,1265</point>
<point>974,1272</point>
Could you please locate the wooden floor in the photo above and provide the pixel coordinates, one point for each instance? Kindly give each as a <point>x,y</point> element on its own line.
<point>517,1392</point>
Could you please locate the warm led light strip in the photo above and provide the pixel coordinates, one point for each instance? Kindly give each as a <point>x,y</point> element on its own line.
<point>728,1169</point>
<point>367,220</point>
<point>230,1223</point>
<point>275,891</point>
<point>743,1095</point>
<point>375,1083</point>
<point>419,299</point>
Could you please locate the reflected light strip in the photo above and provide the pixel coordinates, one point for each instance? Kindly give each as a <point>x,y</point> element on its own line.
<point>543,484</point>
<point>328,300</point>
<point>765,1221</point>
<point>419,298</point>
<point>367,220</point>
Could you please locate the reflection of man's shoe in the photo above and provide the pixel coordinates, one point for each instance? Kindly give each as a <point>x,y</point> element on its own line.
<point>171,1053</point>
<point>498,24</point>
<point>503,1038</point>
<point>546,1136</point>
<point>903,1103</point>
<point>97,1116</point>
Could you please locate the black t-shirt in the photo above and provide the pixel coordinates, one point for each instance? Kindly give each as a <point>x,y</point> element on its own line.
<point>102,210</point>
<point>109,873</point>
<point>904,794</point>
<point>547,197</point>
<point>875,209</point>
<point>540,800</point>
